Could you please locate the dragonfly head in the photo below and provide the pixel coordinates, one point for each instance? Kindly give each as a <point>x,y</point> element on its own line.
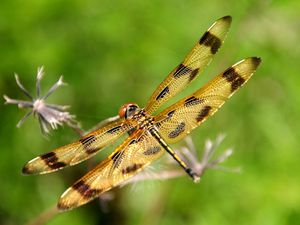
<point>128,110</point>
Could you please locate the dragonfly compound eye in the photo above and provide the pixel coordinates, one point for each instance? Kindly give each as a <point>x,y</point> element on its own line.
<point>128,110</point>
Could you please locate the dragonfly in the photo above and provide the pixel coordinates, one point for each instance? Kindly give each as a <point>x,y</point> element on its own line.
<point>149,136</point>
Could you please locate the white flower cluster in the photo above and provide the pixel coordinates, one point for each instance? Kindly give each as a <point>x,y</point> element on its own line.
<point>49,115</point>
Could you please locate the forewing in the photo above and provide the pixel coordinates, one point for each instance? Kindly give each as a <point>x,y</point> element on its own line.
<point>78,151</point>
<point>179,119</point>
<point>129,158</point>
<point>199,57</point>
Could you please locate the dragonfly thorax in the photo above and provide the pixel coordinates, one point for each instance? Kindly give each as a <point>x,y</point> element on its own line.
<point>137,115</point>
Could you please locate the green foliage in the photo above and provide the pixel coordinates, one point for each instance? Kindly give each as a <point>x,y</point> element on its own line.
<point>113,52</point>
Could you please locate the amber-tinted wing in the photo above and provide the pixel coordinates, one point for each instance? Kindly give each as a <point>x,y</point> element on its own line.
<point>136,152</point>
<point>199,57</point>
<point>179,119</point>
<point>76,152</point>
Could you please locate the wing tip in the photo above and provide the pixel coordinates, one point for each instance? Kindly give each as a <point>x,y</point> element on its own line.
<point>29,167</point>
<point>62,207</point>
<point>253,62</point>
<point>256,61</point>
<point>40,166</point>
<point>227,19</point>
<point>221,25</point>
<point>70,200</point>
<point>64,203</point>
<point>26,170</point>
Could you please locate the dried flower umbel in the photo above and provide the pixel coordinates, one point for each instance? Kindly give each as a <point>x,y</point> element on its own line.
<point>188,152</point>
<point>49,115</point>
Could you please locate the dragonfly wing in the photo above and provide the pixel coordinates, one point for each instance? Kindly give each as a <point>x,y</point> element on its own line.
<point>78,151</point>
<point>136,152</point>
<point>178,120</point>
<point>199,57</point>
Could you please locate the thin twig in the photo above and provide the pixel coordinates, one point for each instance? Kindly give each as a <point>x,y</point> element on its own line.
<point>77,129</point>
<point>44,216</point>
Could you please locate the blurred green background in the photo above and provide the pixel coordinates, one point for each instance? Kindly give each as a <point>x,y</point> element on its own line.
<point>113,52</point>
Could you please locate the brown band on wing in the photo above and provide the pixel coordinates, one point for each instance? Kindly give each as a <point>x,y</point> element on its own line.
<point>88,140</point>
<point>203,113</point>
<point>170,114</point>
<point>178,130</point>
<point>132,168</point>
<point>132,142</point>
<point>233,77</point>
<point>152,150</point>
<point>114,129</point>
<point>230,75</point>
<point>85,190</point>
<point>163,93</point>
<point>193,74</point>
<point>237,83</point>
<point>182,70</point>
<point>210,40</point>
<point>51,160</point>
<point>117,158</point>
<point>92,150</point>
<point>192,101</point>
